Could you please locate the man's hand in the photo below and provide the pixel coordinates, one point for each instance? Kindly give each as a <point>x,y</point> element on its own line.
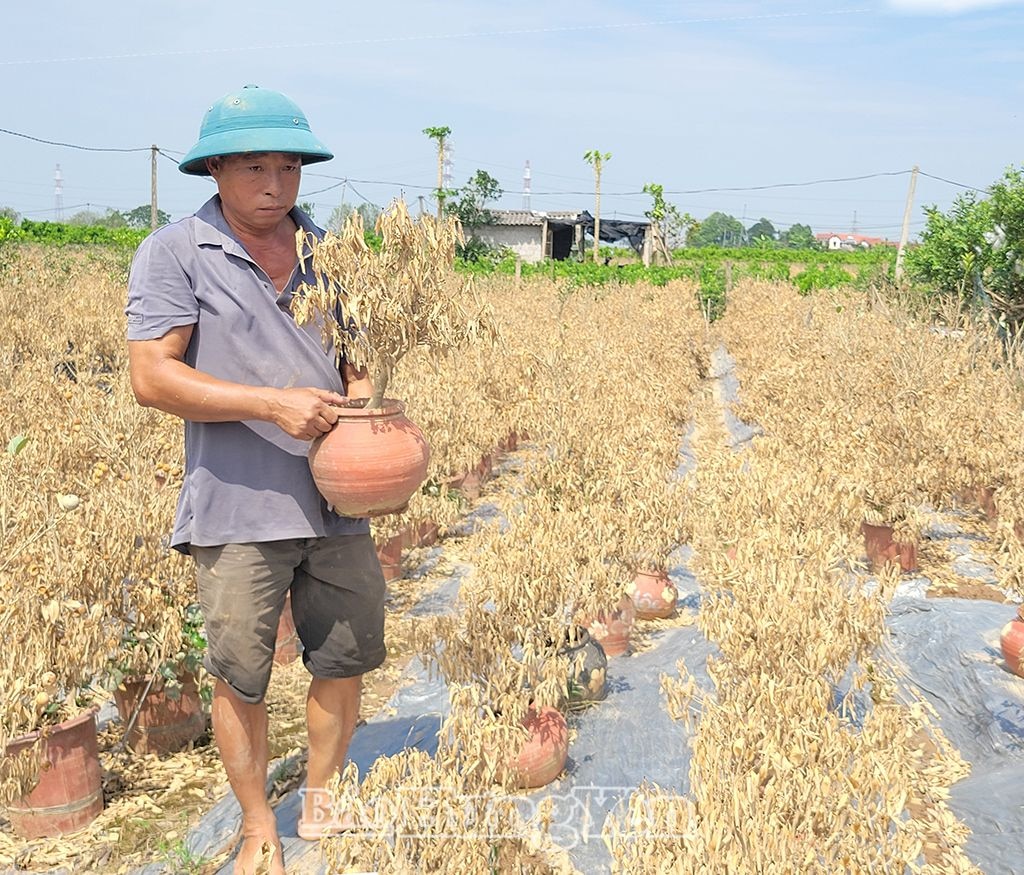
<point>305,413</point>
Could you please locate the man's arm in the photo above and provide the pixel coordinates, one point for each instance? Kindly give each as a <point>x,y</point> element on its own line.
<point>161,379</point>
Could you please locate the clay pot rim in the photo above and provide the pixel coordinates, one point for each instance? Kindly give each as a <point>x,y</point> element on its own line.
<point>355,408</point>
<point>583,637</point>
<point>33,736</point>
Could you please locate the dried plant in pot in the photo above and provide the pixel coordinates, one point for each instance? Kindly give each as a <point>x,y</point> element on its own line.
<point>156,680</point>
<point>891,534</point>
<point>374,306</point>
<point>56,612</point>
<point>655,514</point>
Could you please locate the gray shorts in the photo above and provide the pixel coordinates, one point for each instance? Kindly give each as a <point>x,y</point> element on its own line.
<point>337,592</point>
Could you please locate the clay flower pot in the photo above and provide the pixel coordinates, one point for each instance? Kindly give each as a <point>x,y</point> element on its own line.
<point>612,628</point>
<point>588,675</point>
<point>371,462</point>
<point>165,723</point>
<point>543,755</point>
<point>985,496</point>
<point>653,595</point>
<point>389,554</point>
<point>69,794</point>
<point>509,443</point>
<point>1011,639</point>
<point>426,534</point>
<point>881,548</point>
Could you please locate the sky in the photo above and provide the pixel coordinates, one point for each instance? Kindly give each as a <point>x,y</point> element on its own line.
<point>690,94</point>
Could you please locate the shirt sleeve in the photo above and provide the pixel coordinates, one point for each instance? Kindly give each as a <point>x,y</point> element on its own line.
<point>160,292</point>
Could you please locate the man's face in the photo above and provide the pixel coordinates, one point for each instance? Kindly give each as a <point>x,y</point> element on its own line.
<point>257,188</point>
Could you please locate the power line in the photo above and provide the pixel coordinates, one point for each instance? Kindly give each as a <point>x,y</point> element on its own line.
<point>322,190</point>
<point>360,195</point>
<point>71,145</point>
<point>951,182</point>
<point>443,36</point>
<point>692,191</point>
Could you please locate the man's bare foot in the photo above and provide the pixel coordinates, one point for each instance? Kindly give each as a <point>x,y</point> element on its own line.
<point>261,852</point>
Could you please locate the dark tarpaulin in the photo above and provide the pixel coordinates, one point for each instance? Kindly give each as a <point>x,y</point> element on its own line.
<point>613,230</point>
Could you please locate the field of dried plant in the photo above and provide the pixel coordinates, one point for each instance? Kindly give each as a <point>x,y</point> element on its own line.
<point>807,750</point>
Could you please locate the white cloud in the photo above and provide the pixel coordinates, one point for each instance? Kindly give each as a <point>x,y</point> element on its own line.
<point>948,7</point>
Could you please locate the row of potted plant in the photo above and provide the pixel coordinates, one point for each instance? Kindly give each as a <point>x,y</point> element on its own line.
<point>805,756</point>
<point>595,501</point>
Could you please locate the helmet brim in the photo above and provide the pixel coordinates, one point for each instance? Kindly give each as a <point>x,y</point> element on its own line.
<point>295,140</point>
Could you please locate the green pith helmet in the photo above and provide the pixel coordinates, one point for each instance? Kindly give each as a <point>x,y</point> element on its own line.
<point>253,120</point>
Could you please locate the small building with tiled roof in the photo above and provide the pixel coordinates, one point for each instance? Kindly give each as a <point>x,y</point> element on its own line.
<point>533,235</point>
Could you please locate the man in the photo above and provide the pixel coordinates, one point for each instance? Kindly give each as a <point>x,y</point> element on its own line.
<point>212,340</point>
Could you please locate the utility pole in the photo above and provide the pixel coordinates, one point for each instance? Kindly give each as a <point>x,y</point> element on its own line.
<point>905,231</point>
<point>58,195</point>
<point>152,185</point>
<point>526,186</point>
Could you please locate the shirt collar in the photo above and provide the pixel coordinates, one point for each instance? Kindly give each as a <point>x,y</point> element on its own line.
<point>212,229</point>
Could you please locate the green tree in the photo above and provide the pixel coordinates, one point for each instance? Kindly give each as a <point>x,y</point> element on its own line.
<point>673,226</point>
<point>798,237</point>
<point>1005,244</point>
<point>953,246</point>
<point>472,200</point>
<point>369,213</point>
<point>309,208</point>
<point>595,158</point>
<point>11,214</point>
<point>440,135</point>
<point>718,229</point>
<point>471,209</point>
<point>139,217</point>
<point>107,219</point>
<point>761,228</point>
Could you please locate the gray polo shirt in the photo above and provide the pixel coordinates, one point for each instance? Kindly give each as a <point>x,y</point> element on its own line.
<point>244,481</point>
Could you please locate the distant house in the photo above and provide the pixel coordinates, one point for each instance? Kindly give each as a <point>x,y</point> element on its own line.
<point>535,235</point>
<point>850,241</point>
<point>530,234</point>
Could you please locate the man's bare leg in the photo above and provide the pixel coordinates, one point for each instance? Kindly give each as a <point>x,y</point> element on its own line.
<point>332,711</point>
<point>241,732</point>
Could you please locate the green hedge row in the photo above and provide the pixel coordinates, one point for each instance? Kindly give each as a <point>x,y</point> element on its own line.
<point>60,234</point>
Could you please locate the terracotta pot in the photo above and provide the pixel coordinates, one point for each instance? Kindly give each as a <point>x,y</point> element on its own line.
<point>371,462</point>
<point>427,534</point>
<point>612,628</point>
<point>466,483</point>
<point>985,496</point>
<point>881,548</point>
<point>69,794</point>
<point>485,467</point>
<point>164,723</point>
<point>543,755</point>
<point>389,554</point>
<point>653,595</point>
<point>1011,639</point>
<point>588,675</point>
<point>288,646</point>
